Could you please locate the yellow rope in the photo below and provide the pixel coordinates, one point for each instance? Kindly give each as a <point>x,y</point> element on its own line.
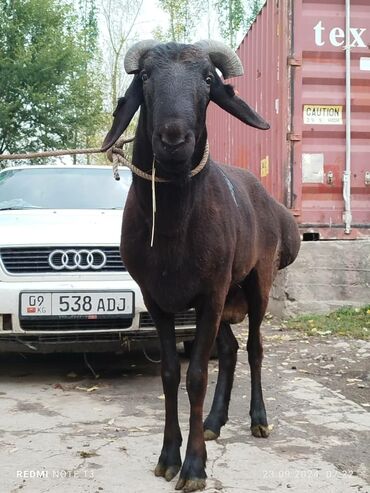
<point>116,155</point>
<point>61,152</point>
<point>154,203</point>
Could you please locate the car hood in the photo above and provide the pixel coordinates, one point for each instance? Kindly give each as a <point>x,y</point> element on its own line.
<point>60,227</point>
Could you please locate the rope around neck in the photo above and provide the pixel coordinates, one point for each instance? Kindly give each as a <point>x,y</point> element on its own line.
<point>154,203</point>
<point>116,155</point>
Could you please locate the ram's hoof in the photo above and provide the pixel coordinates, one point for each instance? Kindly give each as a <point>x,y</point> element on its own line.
<point>210,435</point>
<point>187,485</point>
<point>166,472</point>
<point>260,431</point>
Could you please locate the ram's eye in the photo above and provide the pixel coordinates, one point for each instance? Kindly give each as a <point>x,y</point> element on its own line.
<point>144,76</point>
<point>209,80</point>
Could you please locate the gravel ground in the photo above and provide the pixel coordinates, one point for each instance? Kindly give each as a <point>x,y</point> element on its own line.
<point>62,429</point>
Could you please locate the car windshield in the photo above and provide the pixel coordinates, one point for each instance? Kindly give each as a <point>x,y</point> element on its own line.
<point>63,188</point>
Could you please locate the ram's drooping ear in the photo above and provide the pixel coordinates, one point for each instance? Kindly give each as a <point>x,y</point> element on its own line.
<point>124,112</point>
<point>224,96</point>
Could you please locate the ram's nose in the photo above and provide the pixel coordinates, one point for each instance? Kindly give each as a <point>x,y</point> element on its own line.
<point>172,142</point>
<point>173,136</point>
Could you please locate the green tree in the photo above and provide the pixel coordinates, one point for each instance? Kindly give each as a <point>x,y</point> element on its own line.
<point>231,15</point>
<point>183,18</point>
<point>253,8</point>
<point>85,115</point>
<point>120,18</point>
<point>50,88</point>
<point>235,17</point>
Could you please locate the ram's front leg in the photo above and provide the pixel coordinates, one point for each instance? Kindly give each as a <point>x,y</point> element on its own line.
<point>169,462</point>
<point>193,475</point>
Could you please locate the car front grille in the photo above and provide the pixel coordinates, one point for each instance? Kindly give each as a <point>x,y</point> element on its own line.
<point>66,324</point>
<point>35,260</point>
<point>182,319</point>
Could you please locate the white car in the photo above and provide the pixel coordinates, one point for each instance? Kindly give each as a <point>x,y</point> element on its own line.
<point>63,286</point>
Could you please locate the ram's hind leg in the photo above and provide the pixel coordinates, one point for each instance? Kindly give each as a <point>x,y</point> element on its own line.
<point>257,287</point>
<point>227,347</point>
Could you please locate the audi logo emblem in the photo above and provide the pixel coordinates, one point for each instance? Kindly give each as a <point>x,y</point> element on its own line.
<point>77,259</point>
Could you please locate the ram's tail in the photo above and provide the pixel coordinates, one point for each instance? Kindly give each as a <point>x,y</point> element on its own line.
<point>290,239</point>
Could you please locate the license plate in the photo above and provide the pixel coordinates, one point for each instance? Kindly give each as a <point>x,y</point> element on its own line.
<point>84,304</point>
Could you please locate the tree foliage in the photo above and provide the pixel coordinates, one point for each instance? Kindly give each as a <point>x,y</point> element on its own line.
<point>120,17</point>
<point>231,15</point>
<point>234,18</point>
<point>183,17</point>
<point>50,85</point>
<point>253,9</point>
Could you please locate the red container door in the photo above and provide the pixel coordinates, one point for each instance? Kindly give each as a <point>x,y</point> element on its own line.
<point>319,115</point>
<point>264,85</point>
<point>294,62</point>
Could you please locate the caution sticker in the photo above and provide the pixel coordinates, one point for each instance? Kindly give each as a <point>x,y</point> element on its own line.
<point>318,114</point>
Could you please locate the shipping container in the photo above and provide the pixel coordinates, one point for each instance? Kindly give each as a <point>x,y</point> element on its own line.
<point>315,93</point>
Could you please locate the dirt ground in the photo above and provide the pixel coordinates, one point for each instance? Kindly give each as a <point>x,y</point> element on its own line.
<point>341,364</point>
<point>63,429</point>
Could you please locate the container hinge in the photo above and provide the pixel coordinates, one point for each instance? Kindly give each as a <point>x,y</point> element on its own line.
<point>294,137</point>
<point>367,177</point>
<point>294,62</point>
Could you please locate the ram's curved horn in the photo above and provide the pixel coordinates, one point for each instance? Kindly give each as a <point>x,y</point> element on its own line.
<point>223,57</point>
<point>136,51</point>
